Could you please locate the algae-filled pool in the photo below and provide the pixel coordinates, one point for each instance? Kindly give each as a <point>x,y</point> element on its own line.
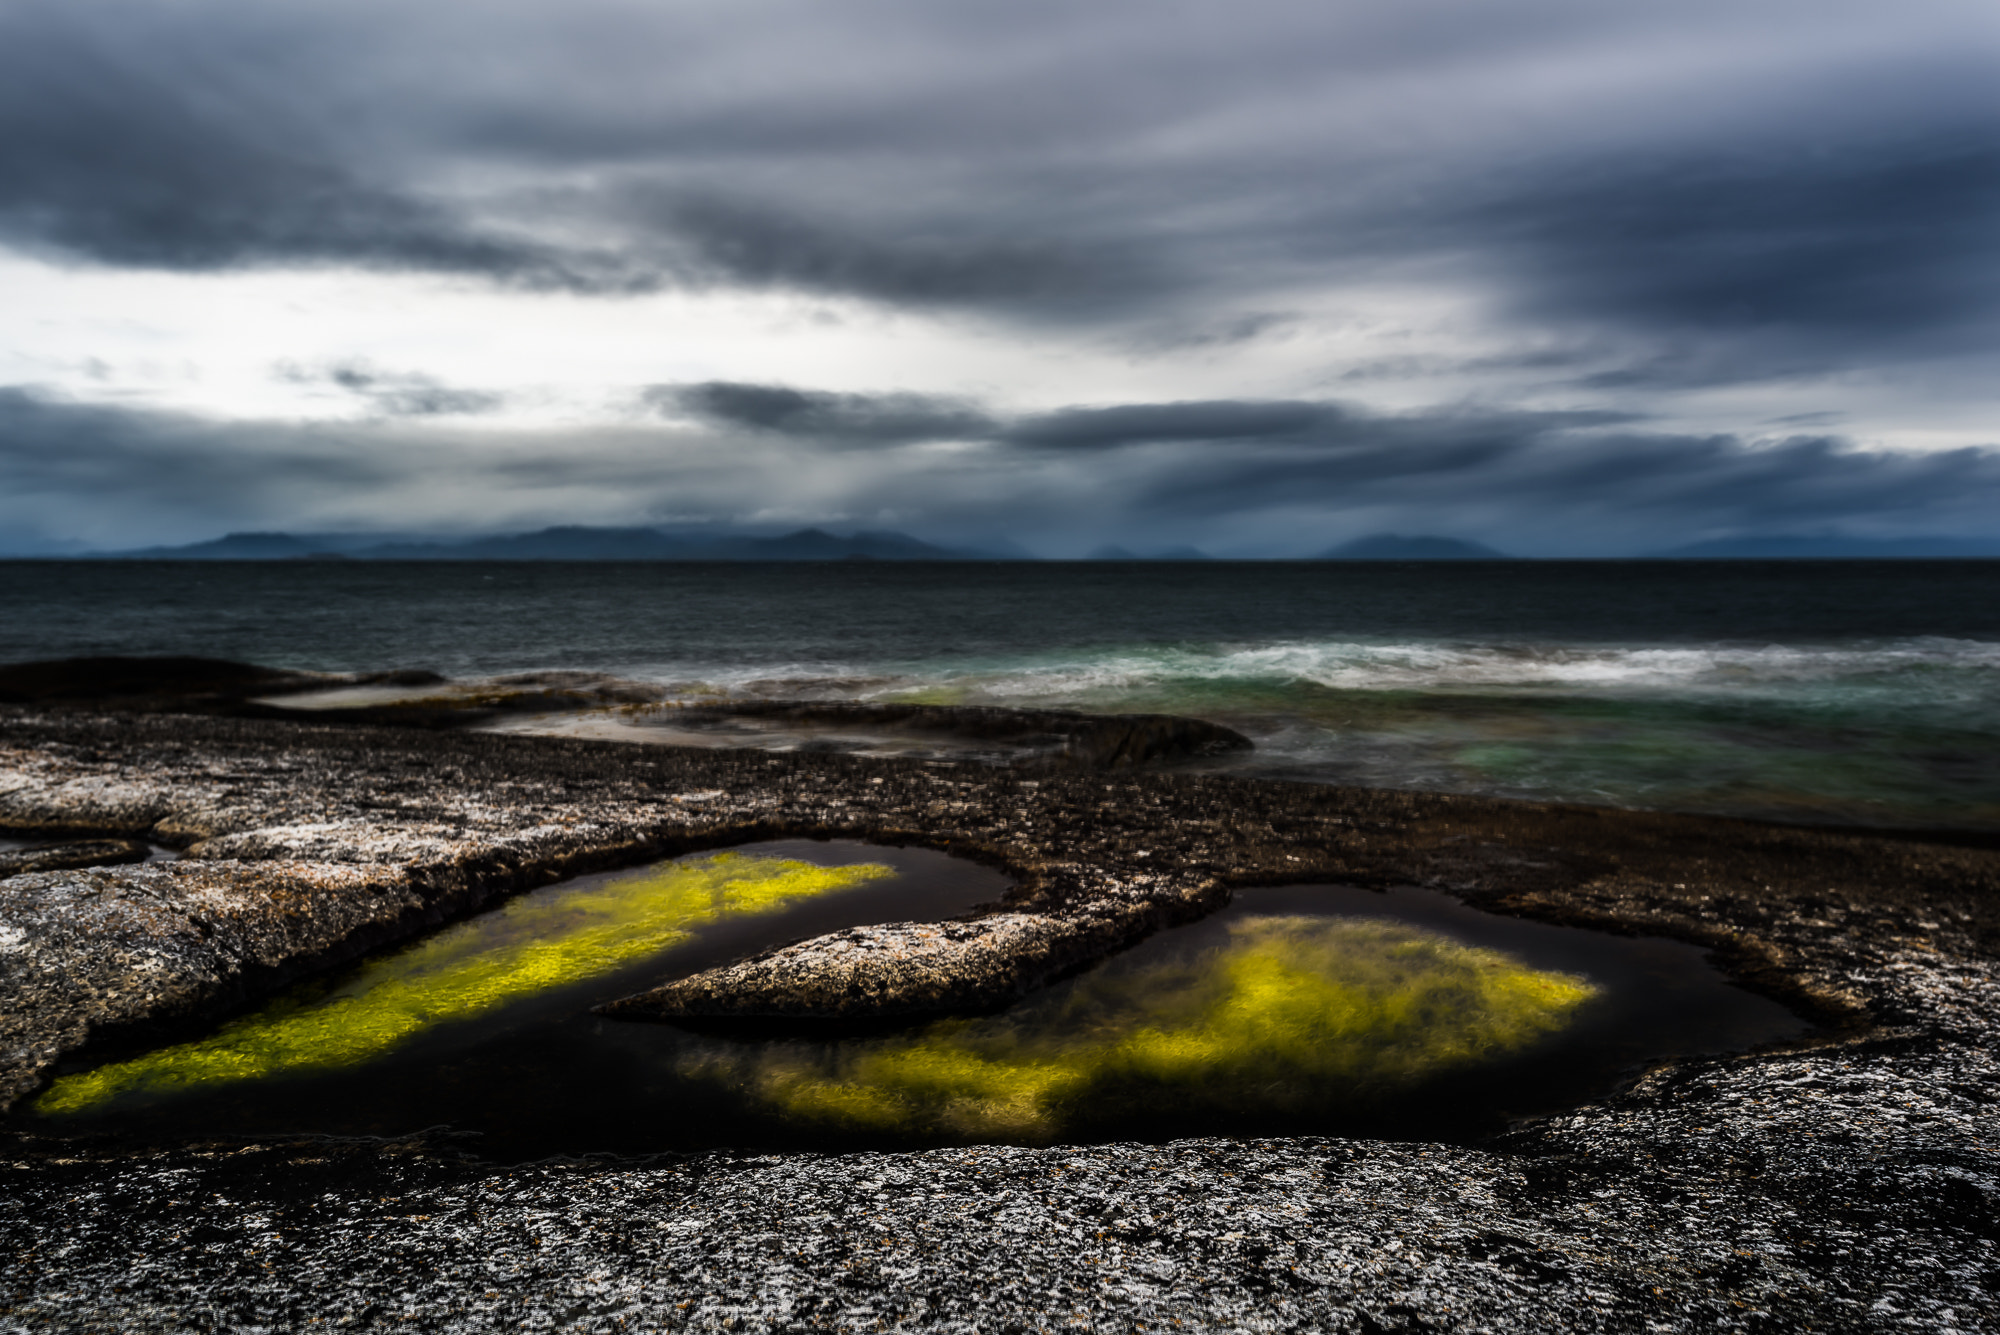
<point>1303,1009</point>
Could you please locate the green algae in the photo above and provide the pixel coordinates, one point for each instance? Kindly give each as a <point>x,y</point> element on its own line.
<point>526,946</point>
<point>1290,1014</point>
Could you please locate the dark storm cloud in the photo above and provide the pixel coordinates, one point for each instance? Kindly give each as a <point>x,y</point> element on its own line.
<point>867,419</point>
<point>58,457</point>
<point>1147,423</point>
<point>901,260</point>
<point>152,159</point>
<point>1563,484</point>
<point>1859,243</point>
<point>124,477</point>
<point>1530,483</point>
<point>1120,164</point>
<point>893,419</point>
<point>1355,457</point>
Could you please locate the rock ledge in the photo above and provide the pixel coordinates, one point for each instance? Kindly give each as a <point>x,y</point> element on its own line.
<point>895,969</point>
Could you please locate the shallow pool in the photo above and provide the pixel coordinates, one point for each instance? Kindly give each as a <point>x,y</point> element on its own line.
<point>1296,1010</point>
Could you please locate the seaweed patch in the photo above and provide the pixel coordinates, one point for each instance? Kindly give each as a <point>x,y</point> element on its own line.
<point>1290,1013</point>
<point>529,945</point>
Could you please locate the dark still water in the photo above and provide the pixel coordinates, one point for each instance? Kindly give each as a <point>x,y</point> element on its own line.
<point>1301,1009</point>
<point>1833,691</point>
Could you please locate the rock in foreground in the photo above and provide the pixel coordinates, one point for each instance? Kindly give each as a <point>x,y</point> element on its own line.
<point>896,969</point>
<point>1847,1184</point>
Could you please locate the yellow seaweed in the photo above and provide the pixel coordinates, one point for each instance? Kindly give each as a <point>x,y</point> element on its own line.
<point>1290,1013</point>
<point>527,945</point>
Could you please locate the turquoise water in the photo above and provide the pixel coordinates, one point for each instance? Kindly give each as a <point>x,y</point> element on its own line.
<point>1899,731</point>
<point>1828,691</point>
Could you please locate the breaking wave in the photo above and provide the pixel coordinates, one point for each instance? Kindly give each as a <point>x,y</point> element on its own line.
<point>1099,678</point>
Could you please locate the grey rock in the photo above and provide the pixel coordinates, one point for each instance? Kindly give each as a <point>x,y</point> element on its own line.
<point>895,969</point>
<point>1846,1183</point>
<point>67,856</point>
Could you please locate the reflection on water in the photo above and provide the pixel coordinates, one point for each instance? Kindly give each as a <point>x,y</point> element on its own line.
<point>1286,1014</point>
<point>530,945</point>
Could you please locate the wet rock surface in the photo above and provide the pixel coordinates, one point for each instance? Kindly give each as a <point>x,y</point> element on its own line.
<point>1024,738</point>
<point>1030,739</point>
<point>179,684</point>
<point>1846,1184</point>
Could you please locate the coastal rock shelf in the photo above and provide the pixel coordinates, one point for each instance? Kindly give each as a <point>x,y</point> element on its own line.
<point>1847,1183</point>
<point>70,855</point>
<point>605,707</point>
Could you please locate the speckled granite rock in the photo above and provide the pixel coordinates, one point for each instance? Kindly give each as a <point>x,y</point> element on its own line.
<point>1850,1185</point>
<point>900,968</point>
<point>111,949</point>
<point>68,856</point>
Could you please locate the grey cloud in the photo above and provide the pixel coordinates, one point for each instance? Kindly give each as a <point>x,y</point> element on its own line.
<point>1550,484</point>
<point>1104,166</point>
<point>123,477</point>
<point>1145,423</point>
<point>73,461</point>
<point>1314,426</point>
<point>1572,359</point>
<point>150,159</point>
<point>393,394</point>
<point>1865,242</point>
<point>891,419</point>
<point>901,260</point>
<point>1154,183</point>
<point>1533,483</point>
<point>1577,482</point>
<point>874,419</point>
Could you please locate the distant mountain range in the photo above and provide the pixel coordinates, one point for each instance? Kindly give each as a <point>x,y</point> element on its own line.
<point>585,543</point>
<point>1396,547</point>
<point>572,543</point>
<point>1114,553</point>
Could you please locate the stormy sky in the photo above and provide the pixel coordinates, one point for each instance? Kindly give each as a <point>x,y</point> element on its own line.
<point>1568,278</point>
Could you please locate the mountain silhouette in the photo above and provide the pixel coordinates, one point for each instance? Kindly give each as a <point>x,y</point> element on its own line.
<point>1422,547</point>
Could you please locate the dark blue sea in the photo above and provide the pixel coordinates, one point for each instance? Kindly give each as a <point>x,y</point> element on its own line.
<point>1848,692</point>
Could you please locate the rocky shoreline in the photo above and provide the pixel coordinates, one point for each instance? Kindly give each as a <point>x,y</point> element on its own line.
<point>1847,1183</point>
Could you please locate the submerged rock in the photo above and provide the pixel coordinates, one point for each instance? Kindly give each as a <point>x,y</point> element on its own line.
<point>134,683</point>
<point>1049,739</point>
<point>183,683</point>
<point>1024,738</point>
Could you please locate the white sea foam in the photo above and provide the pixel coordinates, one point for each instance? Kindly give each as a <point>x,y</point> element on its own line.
<point>1888,730</point>
<point>1419,666</point>
<point>1257,678</point>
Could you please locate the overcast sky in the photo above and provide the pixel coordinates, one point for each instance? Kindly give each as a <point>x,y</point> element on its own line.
<point>1563,276</point>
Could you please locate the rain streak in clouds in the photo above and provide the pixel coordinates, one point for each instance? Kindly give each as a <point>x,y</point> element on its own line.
<point>1564,278</point>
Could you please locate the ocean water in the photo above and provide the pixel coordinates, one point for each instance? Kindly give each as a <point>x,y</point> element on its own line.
<point>1844,692</point>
